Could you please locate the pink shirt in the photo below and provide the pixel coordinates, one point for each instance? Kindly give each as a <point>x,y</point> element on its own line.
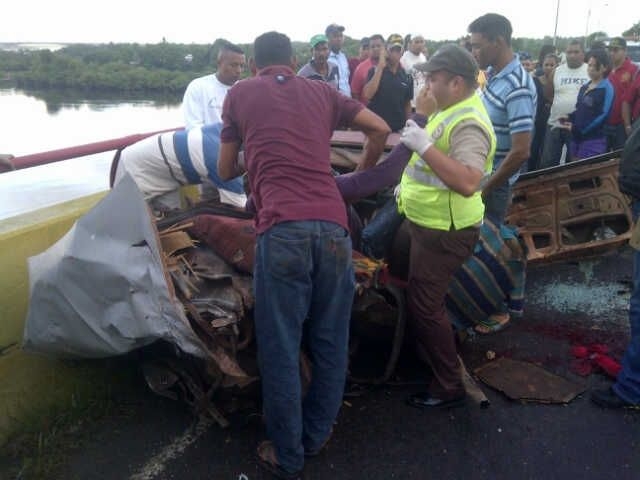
<point>359,78</point>
<point>285,123</point>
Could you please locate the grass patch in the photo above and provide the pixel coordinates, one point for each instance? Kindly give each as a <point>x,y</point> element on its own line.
<point>46,438</point>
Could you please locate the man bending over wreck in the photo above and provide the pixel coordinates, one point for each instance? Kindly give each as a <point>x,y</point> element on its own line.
<point>303,275</point>
<point>162,163</point>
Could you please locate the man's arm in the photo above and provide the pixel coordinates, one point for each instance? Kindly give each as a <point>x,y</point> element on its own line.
<point>357,82</point>
<point>409,97</point>
<point>407,110</point>
<point>371,87</point>
<point>518,154</point>
<point>629,99</point>
<point>361,183</point>
<point>356,185</point>
<point>376,131</point>
<point>460,169</point>
<point>229,164</point>
<point>626,117</point>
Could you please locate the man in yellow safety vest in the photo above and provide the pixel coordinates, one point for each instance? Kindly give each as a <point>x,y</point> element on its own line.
<point>440,196</point>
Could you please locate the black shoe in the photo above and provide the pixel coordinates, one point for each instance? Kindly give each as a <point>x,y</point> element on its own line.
<point>608,398</point>
<point>424,400</point>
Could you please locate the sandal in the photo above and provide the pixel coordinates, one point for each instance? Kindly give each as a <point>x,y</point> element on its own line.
<point>493,324</point>
<point>268,461</point>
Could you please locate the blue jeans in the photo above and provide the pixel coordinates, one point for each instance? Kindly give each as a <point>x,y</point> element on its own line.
<point>303,276</point>
<point>496,203</point>
<point>616,136</point>
<point>378,235</point>
<point>627,385</point>
<point>554,140</point>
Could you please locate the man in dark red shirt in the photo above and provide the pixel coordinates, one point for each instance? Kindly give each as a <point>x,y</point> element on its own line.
<point>621,77</point>
<point>303,272</point>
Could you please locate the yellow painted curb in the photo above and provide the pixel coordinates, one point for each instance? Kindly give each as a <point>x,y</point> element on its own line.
<point>31,384</point>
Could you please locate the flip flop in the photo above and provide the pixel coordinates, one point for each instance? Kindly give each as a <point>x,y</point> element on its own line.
<point>495,323</point>
<point>268,461</point>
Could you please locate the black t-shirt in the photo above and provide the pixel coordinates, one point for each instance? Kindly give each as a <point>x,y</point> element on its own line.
<point>390,101</point>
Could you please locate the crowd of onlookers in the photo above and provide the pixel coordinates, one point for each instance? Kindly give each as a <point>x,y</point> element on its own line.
<point>587,99</point>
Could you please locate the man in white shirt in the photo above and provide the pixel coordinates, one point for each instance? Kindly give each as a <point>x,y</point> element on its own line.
<point>203,98</point>
<point>412,56</point>
<point>337,56</point>
<point>566,82</point>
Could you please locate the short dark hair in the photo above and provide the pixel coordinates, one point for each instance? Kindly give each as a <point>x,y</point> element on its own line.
<point>492,26</point>
<point>575,41</point>
<point>544,51</point>
<point>601,56</point>
<point>227,46</point>
<point>377,36</point>
<point>272,48</point>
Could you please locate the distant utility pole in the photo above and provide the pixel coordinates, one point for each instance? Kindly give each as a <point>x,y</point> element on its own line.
<point>555,30</point>
<point>586,31</point>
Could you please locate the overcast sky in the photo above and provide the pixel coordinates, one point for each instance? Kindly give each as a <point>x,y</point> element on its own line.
<point>199,21</point>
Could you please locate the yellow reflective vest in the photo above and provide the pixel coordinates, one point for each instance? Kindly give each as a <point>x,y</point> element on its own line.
<point>424,198</point>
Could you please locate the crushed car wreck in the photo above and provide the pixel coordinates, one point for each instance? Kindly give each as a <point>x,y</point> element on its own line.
<point>122,279</point>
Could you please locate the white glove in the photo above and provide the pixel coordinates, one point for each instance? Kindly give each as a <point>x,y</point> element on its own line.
<point>415,138</point>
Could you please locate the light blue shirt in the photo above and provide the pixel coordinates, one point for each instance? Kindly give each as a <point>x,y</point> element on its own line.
<point>510,99</point>
<point>340,59</point>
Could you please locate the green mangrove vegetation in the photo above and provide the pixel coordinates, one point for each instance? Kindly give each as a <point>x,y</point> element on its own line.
<point>162,68</point>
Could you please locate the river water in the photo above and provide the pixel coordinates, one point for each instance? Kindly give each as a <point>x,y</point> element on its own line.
<point>37,122</point>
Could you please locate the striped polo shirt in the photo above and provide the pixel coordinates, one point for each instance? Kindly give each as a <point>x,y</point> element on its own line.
<point>510,98</point>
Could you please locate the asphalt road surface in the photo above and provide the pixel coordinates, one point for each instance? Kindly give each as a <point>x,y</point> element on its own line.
<point>378,437</point>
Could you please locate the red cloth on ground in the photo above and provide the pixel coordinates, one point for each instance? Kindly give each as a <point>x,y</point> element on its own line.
<point>590,356</point>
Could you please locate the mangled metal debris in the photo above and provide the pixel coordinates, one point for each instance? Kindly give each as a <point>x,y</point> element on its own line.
<point>572,211</point>
<point>527,382</point>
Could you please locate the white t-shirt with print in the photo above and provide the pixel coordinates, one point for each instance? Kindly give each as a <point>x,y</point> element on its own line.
<point>566,85</point>
<point>202,102</point>
<point>407,61</point>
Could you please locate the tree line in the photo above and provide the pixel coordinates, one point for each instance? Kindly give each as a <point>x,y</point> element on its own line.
<point>163,67</point>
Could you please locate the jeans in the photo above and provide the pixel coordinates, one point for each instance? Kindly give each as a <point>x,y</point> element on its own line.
<point>616,136</point>
<point>377,236</point>
<point>554,139</point>
<point>627,385</point>
<point>496,203</point>
<point>303,278</point>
